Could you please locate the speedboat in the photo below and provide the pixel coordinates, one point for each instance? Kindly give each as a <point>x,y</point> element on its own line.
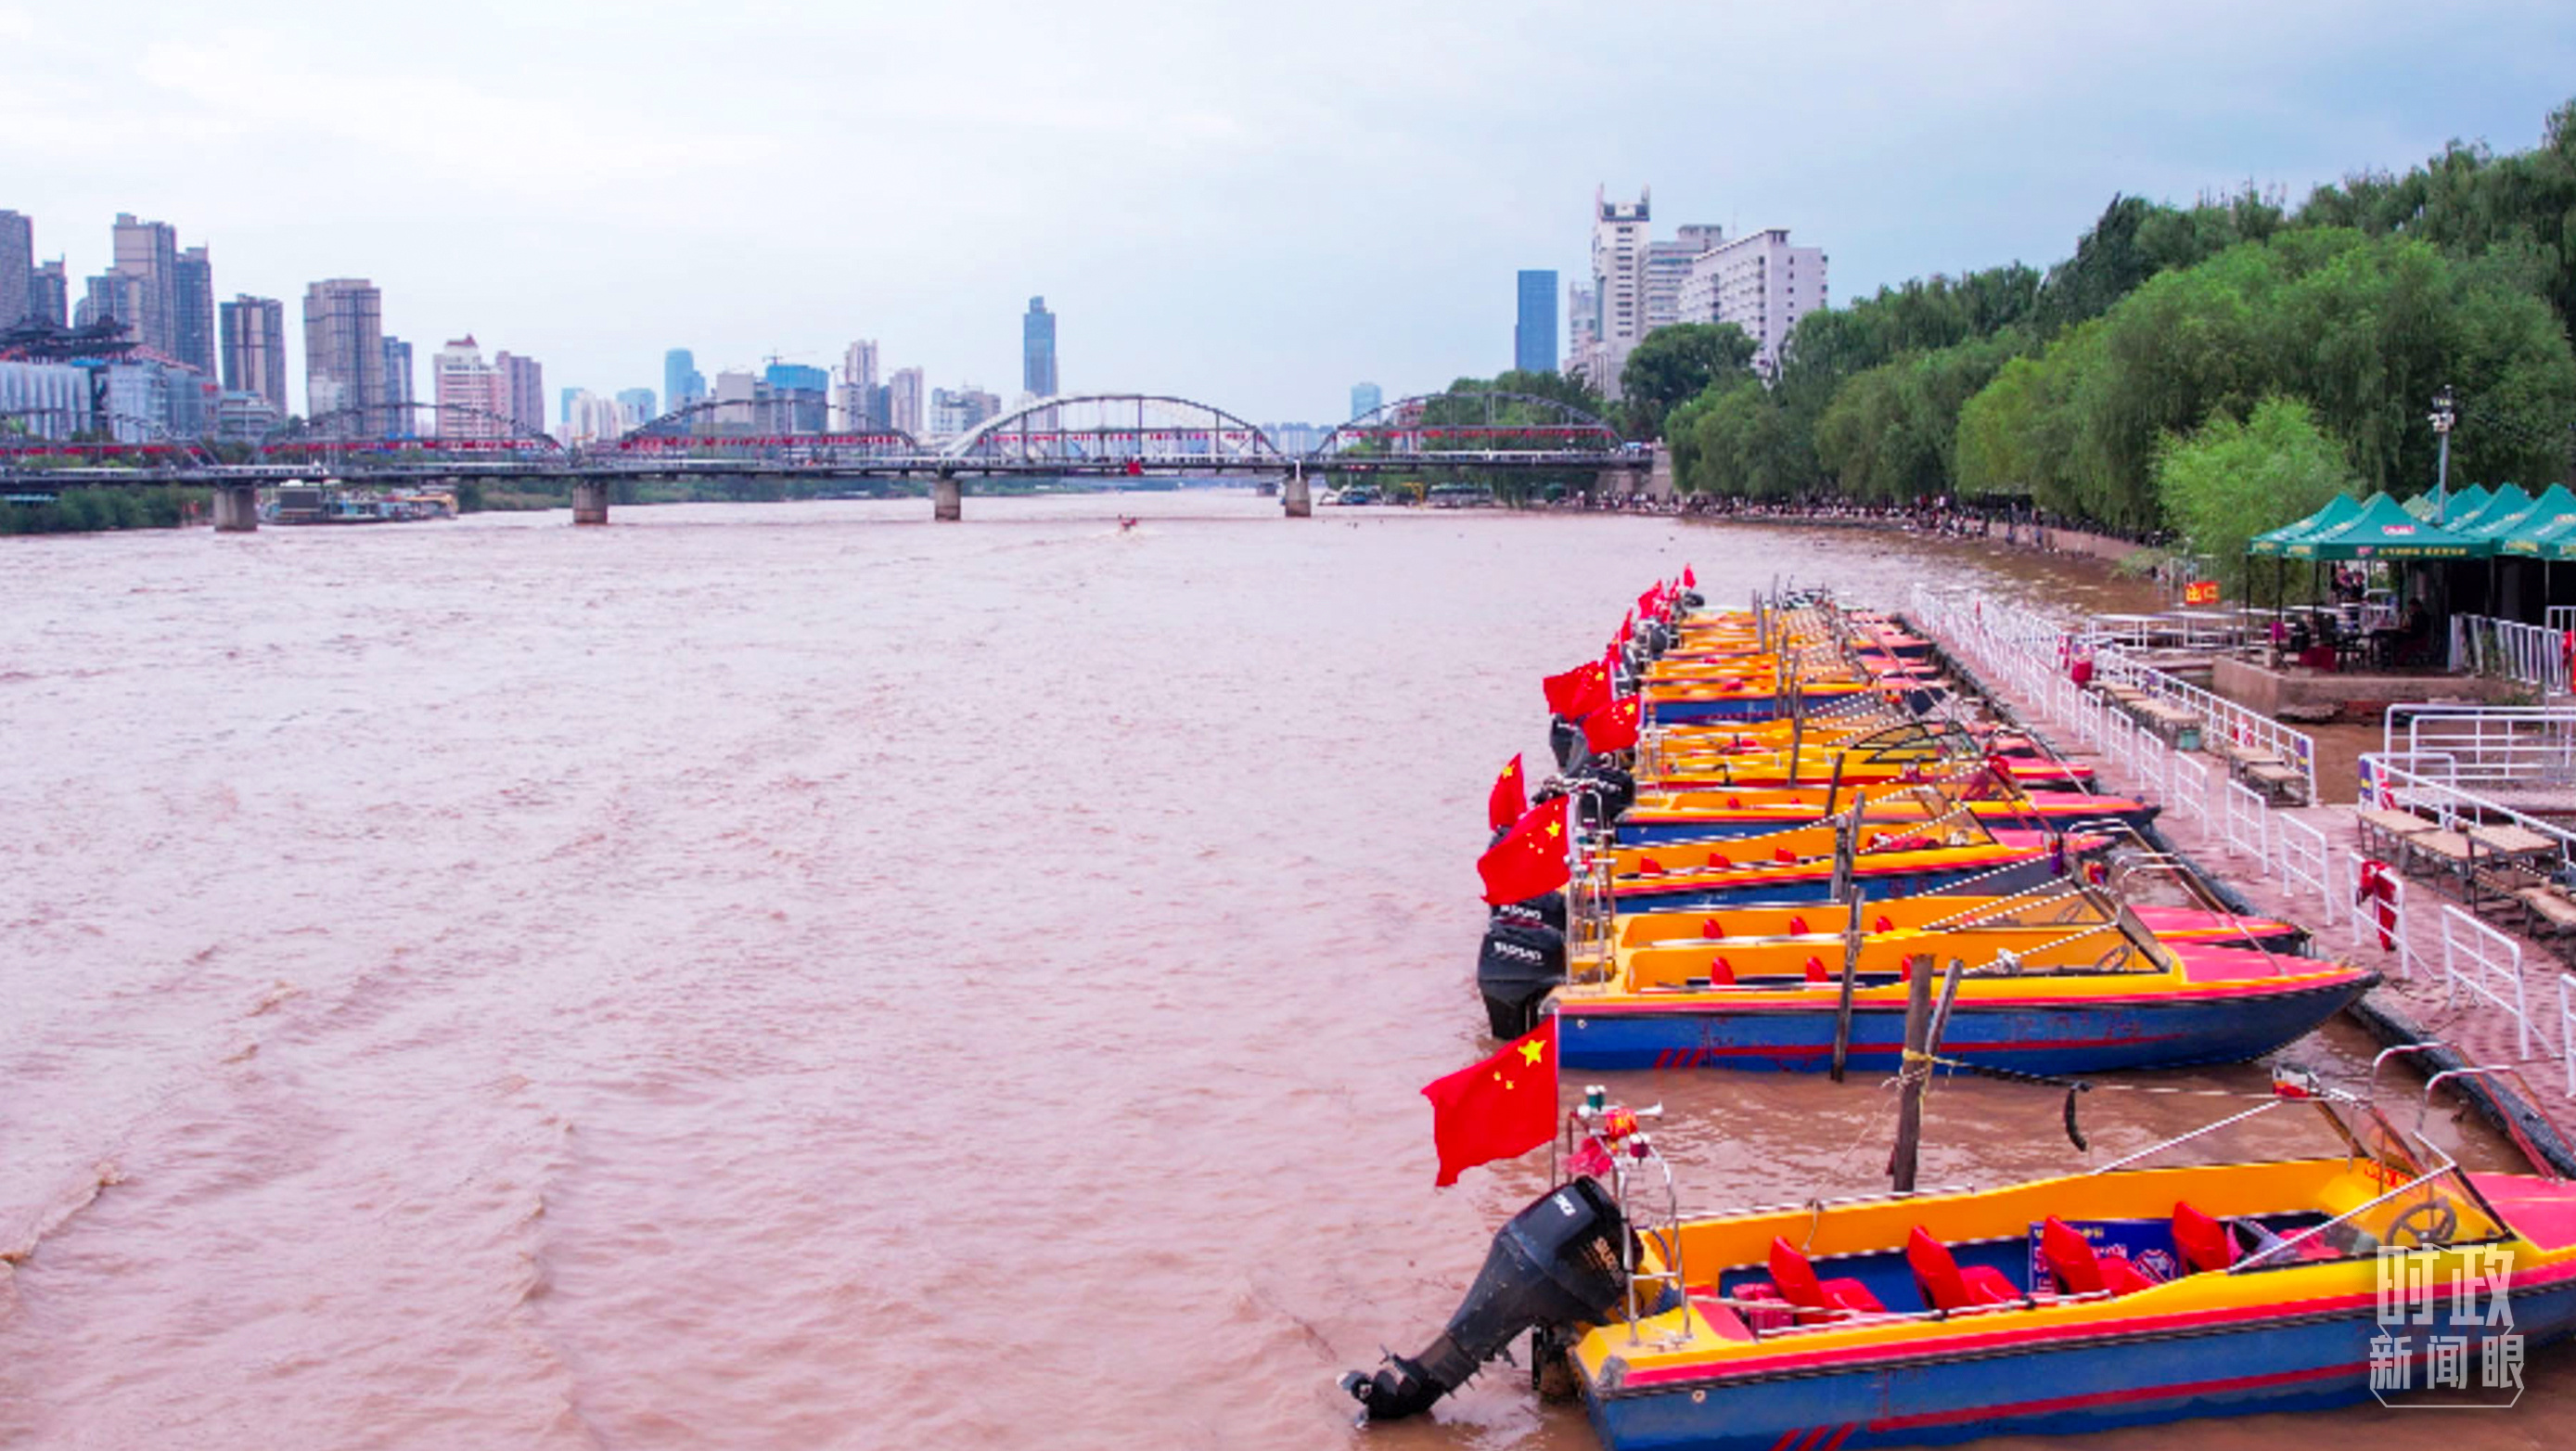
<point>1800,864</point>
<point>1676,816</point>
<point>2131,1295</point>
<point>2031,999</point>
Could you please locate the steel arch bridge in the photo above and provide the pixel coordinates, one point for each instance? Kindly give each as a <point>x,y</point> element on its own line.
<point>385,438</point>
<point>1115,433</point>
<point>1485,428</point>
<point>133,442</point>
<point>707,434</point>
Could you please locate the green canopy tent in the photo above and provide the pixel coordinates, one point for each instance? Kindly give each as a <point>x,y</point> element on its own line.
<point>2385,530</point>
<point>2448,509</point>
<point>2501,524</point>
<point>2340,511</point>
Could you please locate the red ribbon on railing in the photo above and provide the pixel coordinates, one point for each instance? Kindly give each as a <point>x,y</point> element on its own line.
<point>2378,885</point>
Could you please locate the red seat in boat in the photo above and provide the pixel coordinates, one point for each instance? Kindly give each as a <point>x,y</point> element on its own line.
<point>2205,1244</point>
<point>1946,1285</point>
<point>1796,1281</point>
<point>2078,1270</point>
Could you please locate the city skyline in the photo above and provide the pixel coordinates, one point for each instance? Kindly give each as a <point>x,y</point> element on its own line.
<point>1919,142</point>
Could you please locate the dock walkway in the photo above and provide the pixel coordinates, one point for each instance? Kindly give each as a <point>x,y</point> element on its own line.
<point>2480,981</point>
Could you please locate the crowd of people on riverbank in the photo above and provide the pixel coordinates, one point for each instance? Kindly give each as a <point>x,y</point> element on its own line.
<point>2011,523</point>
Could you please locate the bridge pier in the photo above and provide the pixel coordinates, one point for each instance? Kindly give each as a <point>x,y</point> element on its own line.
<point>590,501</point>
<point>1294,499</point>
<point>947,501</point>
<point>236,508</point>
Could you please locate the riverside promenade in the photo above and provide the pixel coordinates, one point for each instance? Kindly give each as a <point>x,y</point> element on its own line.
<point>2473,987</point>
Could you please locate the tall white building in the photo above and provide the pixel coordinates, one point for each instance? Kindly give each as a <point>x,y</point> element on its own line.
<point>468,392</point>
<point>1618,291</point>
<point>904,399</point>
<point>857,402</point>
<point>1761,284</point>
<point>736,394</point>
<point>589,418</point>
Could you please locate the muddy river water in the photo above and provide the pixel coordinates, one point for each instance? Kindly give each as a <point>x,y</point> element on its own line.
<point>798,976</point>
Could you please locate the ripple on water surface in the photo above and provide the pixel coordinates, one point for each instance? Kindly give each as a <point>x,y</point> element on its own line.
<point>794,976</point>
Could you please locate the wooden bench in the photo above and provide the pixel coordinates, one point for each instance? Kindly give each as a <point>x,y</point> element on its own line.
<point>2178,727</point>
<point>2550,914</point>
<point>2384,833</point>
<point>2281,783</point>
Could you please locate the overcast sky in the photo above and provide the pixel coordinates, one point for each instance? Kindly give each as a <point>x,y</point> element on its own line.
<point>1253,205</point>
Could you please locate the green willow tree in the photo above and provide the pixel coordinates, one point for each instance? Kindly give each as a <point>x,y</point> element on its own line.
<point>2229,481</point>
<point>1673,365</point>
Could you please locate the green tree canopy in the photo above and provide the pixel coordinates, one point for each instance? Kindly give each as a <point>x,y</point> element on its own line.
<point>2229,481</point>
<point>1674,364</point>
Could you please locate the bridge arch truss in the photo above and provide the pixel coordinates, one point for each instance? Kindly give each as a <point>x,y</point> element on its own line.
<point>713,431</point>
<point>392,437</point>
<point>1117,433</point>
<point>1484,426</point>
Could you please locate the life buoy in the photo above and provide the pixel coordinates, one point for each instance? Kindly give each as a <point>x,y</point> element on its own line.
<point>2377,887</point>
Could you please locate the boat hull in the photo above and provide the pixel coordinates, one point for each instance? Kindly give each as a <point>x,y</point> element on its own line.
<point>1634,830</point>
<point>1817,885</point>
<point>2033,1035</point>
<point>2055,1387</point>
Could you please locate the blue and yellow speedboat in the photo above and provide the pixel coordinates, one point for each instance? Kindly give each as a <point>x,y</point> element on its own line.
<point>2127,1296</point>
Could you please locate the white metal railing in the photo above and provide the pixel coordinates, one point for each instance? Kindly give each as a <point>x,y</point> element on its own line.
<point>2221,719</point>
<point>2300,852</point>
<point>2190,787</point>
<point>2241,822</point>
<point>2487,743</point>
<point>2393,783</point>
<point>2567,1028</point>
<point>2487,963</point>
<point>2374,916</point>
<point>2534,655</point>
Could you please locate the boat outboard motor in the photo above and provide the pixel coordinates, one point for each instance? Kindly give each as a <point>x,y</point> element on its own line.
<point>1565,738</point>
<point>1547,909</point>
<point>1520,963</point>
<point>1608,790</point>
<point>1556,1263</point>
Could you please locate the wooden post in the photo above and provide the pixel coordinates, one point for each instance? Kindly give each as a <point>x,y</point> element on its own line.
<point>1915,1075</point>
<point>1851,967</point>
<point>1834,788</point>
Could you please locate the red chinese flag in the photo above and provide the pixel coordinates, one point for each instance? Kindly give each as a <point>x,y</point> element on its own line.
<point>1509,801</point>
<point>1503,1106</point>
<point>1530,859</point>
<point>1627,628</point>
<point>1579,691</point>
<point>1689,580</point>
<point>1613,727</point>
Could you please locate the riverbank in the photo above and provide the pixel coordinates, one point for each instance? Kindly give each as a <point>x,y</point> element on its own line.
<point>100,511</point>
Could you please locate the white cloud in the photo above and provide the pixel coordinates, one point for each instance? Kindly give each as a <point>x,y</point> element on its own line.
<point>1251,204</point>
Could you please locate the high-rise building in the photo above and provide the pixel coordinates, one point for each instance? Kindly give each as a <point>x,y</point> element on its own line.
<point>636,404</point>
<point>1366,398</point>
<point>1534,331</point>
<point>1760,283</point>
<point>795,399</point>
<point>588,418</point>
<point>401,419</point>
<point>49,294</point>
<point>17,268</point>
<point>469,394</point>
<point>737,399</point>
<point>112,297</point>
<point>1668,270</point>
<point>1037,349</point>
<point>254,345</point>
<point>1582,325</point>
<point>904,400</point>
<point>858,405</point>
<point>959,410</point>
<point>344,355</point>
<point>523,392</point>
<point>682,383</point>
<point>564,397</point>
<point>1619,232</point>
<point>149,253</point>
<point>192,322</point>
